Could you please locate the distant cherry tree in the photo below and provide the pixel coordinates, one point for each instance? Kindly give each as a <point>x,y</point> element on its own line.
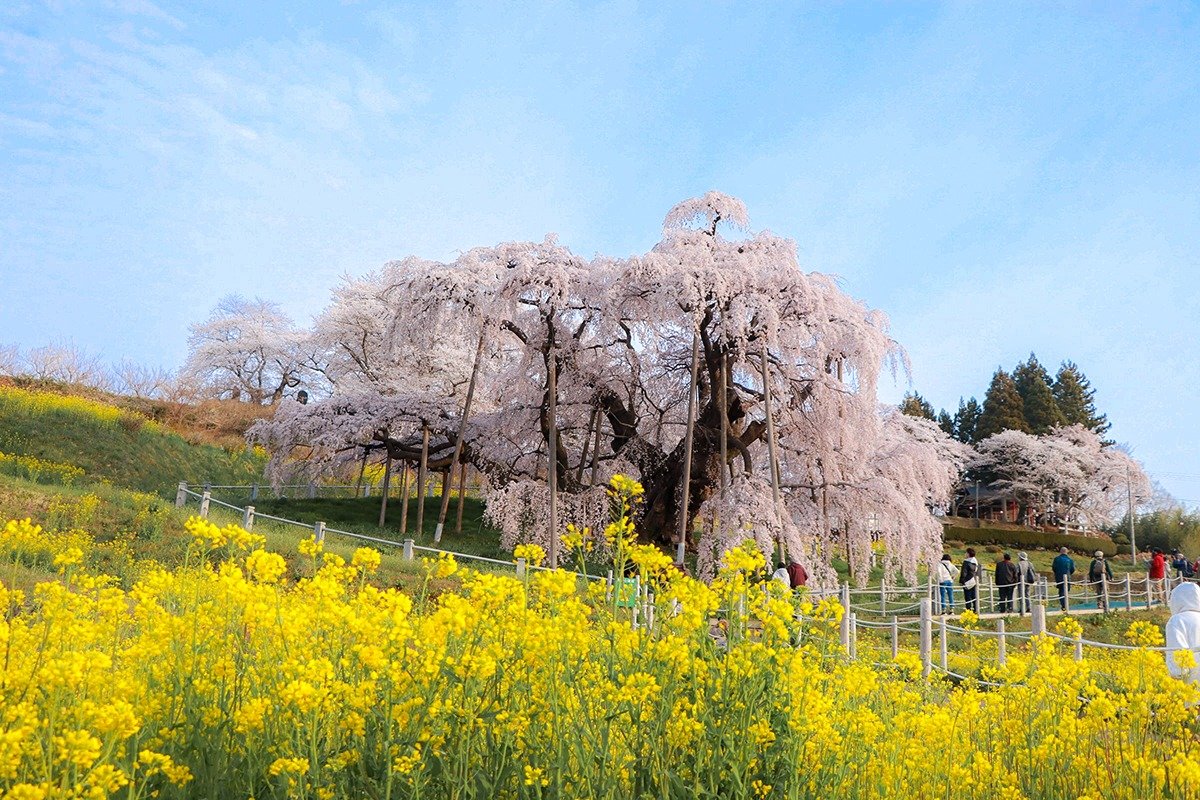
<point>247,350</point>
<point>618,336</point>
<point>1068,472</point>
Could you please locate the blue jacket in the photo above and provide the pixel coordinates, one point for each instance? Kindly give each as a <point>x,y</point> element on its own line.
<point>1063,565</point>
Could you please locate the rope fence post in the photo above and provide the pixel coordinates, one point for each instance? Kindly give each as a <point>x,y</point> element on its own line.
<point>1079,647</point>
<point>1001,654</point>
<point>319,531</point>
<point>845,631</point>
<point>521,567</point>
<point>883,596</point>
<point>1039,620</point>
<point>204,501</point>
<point>942,645</point>
<point>253,492</point>
<point>312,491</point>
<point>248,518</point>
<point>926,637</point>
<point>408,550</point>
<point>1067,593</point>
<point>181,495</point>
<point>1128,594</point>
<point>895,637</point>
<point>1104,592</point>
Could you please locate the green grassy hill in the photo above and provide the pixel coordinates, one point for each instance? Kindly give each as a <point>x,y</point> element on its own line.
<point>113,444</point>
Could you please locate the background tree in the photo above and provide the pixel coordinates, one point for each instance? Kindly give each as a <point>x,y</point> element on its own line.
<point>1075,398</point>
<point>946,423</point>
<point>1033,384</point>
<point>966,421</point>
<point>619,334</point>
<point>246,349</point>
<point>916,406</point>
<point>1003,409</point>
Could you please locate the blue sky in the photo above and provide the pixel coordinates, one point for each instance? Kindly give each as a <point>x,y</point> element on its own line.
<point>998,179</point>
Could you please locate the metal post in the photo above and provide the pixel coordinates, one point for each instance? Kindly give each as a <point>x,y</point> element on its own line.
<point>943,645</point>
<point>408,550</point>
<point>248,518</point>
<point>685,518</point>
<point>1001,653</point>
<point>181,495</point>
<point>845,631</point>
<point>926,637</point>
<point>895,637</point>
<point>319,531</point>
<point>1039,620</point>
<point>204,500</point>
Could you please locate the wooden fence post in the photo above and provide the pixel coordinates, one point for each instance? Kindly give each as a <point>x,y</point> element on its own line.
<point>408,550</point>
<point>204,501</point>
<point>1079,647</point>
<point>883,596</point>
<point>521,567</point>
<point>1001,653</point>
<point>853,635</point>
<point>895,637</point>
<point>1039,620</point>
<point>1128,594</point>
<point>943,645</point>
<point>845,631</point>
<point>319,531</point>
<point>181,495</point>
<point>253,492</point>
<point>248,518</point>
<point>926,636</point>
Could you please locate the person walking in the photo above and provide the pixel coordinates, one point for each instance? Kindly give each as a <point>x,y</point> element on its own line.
<point>1099,574</point>
<point>1027,577</point>
<point>968,577</point>
<point>1063,568</point>
<point>946,572</point>
<point>1007,578</point>
<point>1183,633</point>
<point>1157,575</point>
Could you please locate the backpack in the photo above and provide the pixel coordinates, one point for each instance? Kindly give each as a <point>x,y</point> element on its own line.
<point>1187,569</point>
<point>1096,571</point>
<point>967,573</point>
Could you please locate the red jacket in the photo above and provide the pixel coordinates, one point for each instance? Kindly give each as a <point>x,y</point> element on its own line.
<point>797,574</point>
<point>1158,567</point>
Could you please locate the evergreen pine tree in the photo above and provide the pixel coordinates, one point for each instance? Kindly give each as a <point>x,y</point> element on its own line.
<point>1003,408</point>
<point>916,406</point>
<point>946,422</point>
<point>966,420</point>
<point>1041,410</point>
<point>1074,395</point>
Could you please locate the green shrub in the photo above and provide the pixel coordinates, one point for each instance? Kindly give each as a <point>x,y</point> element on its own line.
<point>1030,538</point>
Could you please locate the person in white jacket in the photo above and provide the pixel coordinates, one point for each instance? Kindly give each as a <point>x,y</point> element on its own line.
<point>1183,631</point>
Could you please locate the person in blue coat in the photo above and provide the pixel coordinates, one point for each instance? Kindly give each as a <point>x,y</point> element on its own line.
<point>1063,567</point>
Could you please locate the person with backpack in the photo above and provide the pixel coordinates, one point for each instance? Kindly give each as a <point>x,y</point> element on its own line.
<point>946,573</point>
<point>1181,565</point>
<point>1099,573</point>
<point>968,578</point>
<point>1063,568</point>
<point>1027,578</point>
<point>1007,578</point>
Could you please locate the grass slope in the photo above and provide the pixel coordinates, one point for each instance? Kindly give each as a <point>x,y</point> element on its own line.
<point>114,444</point>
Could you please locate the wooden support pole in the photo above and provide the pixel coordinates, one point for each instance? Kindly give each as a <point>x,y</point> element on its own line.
<point>422,476</point>
<point>685,518</point>
<point>404,492</point>
<point>362,471</point>
<point>552,455</point>
<point>458,439</point>
<point>771,453</point>
<point>587,441</point>
<point>462,496</point>
<point>387,487</point>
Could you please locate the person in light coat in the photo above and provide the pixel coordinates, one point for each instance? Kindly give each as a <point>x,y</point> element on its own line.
<point>1183,631</point>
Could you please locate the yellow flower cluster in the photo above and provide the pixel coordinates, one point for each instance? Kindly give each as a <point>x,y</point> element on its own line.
<point>226,679</point>
<point>39,470</point>
<point>31,401</point>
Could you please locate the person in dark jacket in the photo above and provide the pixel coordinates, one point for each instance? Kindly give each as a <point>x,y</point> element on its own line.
<point>1099,572</point>
<point>968,578</point>
<point>1063,568</point>
<point>1007,577</point>
<point>797,573</point>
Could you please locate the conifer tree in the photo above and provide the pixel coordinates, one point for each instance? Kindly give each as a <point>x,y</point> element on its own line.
<point>1074,395</point>
<point>1003,408</point>
<point>1042,414</point>
<point>946,422</point>
<point>966,421</point>
<point>916,406</point>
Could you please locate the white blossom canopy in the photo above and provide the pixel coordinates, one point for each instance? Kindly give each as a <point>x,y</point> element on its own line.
<point>401,346</point>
